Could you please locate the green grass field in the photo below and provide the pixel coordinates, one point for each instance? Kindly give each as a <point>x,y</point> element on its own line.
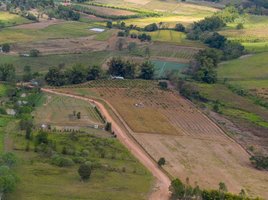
<point>3,90</point>
<point>250,71</point>
<point>41,179</point>
<point>12,19</point>
<point>105,36</point>
<point>163,67</point>
<point>54,31</point>
<point>41,64</point>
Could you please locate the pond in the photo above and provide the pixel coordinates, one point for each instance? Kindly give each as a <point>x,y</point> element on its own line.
<point>10,111</point>
<point>97,29</point>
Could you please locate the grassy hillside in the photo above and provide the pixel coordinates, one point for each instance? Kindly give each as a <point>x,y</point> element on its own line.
<point>12,19</point>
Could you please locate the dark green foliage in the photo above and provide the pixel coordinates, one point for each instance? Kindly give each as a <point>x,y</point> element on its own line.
<point>5,70</point>
<point>179,27</point>
<point>8,180</point>
<point>120,67</point>
<point>203,55</point>
<point>259,161</point>
<point>120,34</point>
<point>6,47</point>
<point>109,24</point>
<point>24,123</point>
<point>34,53</point>
<point>131,46</point>
<point>64,151</point>
<point>216,108</point>
<point>147,70</point>
<point>108,127</point>
<point>66,12</point>
<point>239,26</point>
<point>163,84</point>
<point>251,148</point>
<point>211,195</point>
<point>210,23</point>
<point>144,37</point>
<point>186,92</point>
<point>216,41</point>
<point>222,187</point>
<point>177,188</point>
<point>99,113</point>
<point>161,162</point>
<point>151,27</point>
<point>9,159</point>
<point>31,16</point>
<point>3,111</point>
<point>62,162</point>
<point>27,147</point>
<point>84,171</point>
<point>79,115</point>
<point>28,132</point>
<point>41,137</point>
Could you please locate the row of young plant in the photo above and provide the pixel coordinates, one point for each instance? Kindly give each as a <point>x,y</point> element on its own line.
<point>91,11</point>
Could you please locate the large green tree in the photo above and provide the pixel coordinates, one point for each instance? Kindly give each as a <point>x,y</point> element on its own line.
<point>177,188</point>
<point>84,171</point>
<point>147,70</point>
<point>54,76</point>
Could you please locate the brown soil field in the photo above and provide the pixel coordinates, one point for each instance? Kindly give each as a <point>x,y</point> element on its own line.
<point>92,17</point>
<point>56,46</point>
<point>110,11</point>
<point>208,162</point>
<point>41,25</point>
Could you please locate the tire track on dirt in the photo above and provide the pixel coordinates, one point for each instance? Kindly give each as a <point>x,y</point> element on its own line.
<point>135,149</point>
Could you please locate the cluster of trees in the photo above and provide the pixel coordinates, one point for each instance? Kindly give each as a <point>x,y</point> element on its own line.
<point>256,7</point>
<point>6,47</point>
<point>259,161</point>
<point>29,4</point>
<point>127,68</point>
<point>91,11</point>
<point>76,75</point>
<point>184,192</point>
<point>8,178</point>
<point>64,12</point>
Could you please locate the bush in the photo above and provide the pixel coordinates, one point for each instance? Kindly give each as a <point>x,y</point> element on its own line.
<point>120,34</point>
<point>6,47</point>
<point>61,161</point>
<point>69,152</point>
<point>85,152</point>
<point>54,157</point>
<point>79,160</point>
<point>163,84</point>
<point>88,163</point>
<point>3,111</point>
<point>179,27</point>
<point>151,27</point>
<point>34,53</point>
<point>77,153</point>
<point>239,26</point>
<point>84,171</point>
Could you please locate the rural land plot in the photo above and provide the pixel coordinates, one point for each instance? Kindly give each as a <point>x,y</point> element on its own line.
<point>207,162</point>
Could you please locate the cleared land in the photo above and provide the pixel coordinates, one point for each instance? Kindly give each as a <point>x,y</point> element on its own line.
<point>57,110</point>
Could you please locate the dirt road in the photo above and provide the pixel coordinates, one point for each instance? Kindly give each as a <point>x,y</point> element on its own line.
<point>162,179</point>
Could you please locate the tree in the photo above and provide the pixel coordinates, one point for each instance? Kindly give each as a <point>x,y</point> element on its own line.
<point>120,67</point>
<point>161,162</point>
<point>131,46</point>
<point>28,132</point>
<point>84,171</point>
<point>6,47</point>
<point>41,137</point>
<point>21,8</point>
<point>120,44</point>
<point>27,69</point>
<point>54,76</point>
<point>5,70</point>
<point>64,151</point>
<point>109,24</point>
<point>239,26</point>
<point>222,187</point>
<point>216,108</point>
<point>108,127</point>
<point>179,27</point>
<point>242,193</point>
<point>50,15</point>
<point>211,195</point>
<point>189,192</point>
<point>79,115</point>
<point>177,189</point>
<point>147,70</point>
<point>8,180</point>
<point>9,159</point>
<point>34,53</point>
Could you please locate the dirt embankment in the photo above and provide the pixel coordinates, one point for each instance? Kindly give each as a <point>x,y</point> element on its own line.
<point>136,150</point>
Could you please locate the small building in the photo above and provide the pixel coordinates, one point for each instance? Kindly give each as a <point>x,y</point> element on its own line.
<point>44,125</point>
<point>116,77</point>
<point>96,126</point>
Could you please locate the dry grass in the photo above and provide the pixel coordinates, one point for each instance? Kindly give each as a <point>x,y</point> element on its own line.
<point>208,162</point>
<point>110,11</point>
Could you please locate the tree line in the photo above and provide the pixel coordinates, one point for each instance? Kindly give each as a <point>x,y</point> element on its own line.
<point>186,192</point>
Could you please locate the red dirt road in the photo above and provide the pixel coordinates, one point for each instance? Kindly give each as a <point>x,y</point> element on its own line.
<point>136,150</point>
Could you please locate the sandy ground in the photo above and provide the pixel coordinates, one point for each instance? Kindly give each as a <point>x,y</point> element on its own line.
<point>135,149</point>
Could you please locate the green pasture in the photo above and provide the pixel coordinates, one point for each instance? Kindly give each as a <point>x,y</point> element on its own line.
<point>42,64</point>
<point>256,47</point>
<point>253,67</point>
<point>53,31</point>
<point>12,19</point>
<point>250,84</point>
<point>105,36</point>
<point>58,110</point>
<point>3,90</point>
<point>164,67</point>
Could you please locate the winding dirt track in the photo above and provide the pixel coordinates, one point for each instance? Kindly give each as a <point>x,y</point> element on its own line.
<point>135,149</point>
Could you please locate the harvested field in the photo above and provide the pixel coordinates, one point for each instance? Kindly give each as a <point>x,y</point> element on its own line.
<point>208,162</point>
<point>163,112</point>
<point>92,17</point>
<point>110,11</point>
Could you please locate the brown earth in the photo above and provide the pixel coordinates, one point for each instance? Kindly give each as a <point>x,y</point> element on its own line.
<point>92,17</point>
<point>136,150</point>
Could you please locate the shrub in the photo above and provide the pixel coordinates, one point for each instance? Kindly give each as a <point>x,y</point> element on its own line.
<point>84,171</point>
<point>162,84</point>
<point>3,111</point>
<point>6,47</point>
<point>61,161</point>
<point>79,160</point>
<point>88,163</point>
<point>179,27</point>
<point>120,34</point>
<point>34,53</point>
<point>54,157</point>
<point>85,152</point>
<point>77,153</point>
<point>239,26</point>
<point>69,152</point>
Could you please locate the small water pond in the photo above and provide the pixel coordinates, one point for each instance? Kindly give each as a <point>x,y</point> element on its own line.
<point>97,29</point>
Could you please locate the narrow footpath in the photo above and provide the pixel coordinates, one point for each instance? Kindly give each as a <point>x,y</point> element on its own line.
<point>163,181</point>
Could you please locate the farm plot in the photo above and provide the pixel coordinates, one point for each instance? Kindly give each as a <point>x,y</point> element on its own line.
<point>58,110</point>
<point>172,52</point>
<point>12,20</point>
<point>159,111</point>
<point>163,68</point>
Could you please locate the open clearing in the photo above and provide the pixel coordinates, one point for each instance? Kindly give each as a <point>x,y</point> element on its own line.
<point>193,135</point>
